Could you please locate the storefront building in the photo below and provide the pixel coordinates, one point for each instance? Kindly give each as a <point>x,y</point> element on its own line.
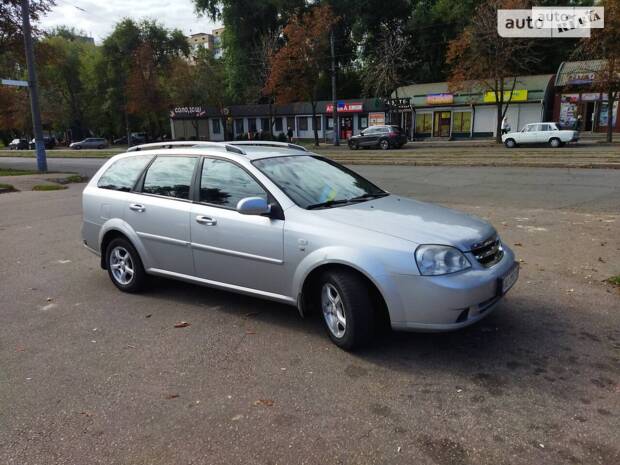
<point>434,111</point>
<point>241,121</point>
<point>578,103</point>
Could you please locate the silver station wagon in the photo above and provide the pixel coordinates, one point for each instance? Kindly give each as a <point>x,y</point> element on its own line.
<point>275,221</point>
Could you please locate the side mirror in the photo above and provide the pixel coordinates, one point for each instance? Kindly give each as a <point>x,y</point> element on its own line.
<point>253,206</point>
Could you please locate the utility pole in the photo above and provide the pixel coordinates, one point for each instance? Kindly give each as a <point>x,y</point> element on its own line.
<point>334,102</point>
<point>34,90</point>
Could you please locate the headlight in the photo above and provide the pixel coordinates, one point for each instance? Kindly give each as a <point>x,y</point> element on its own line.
<point>436,260</point>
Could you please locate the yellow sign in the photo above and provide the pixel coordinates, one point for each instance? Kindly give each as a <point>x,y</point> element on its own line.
<point>518,95</point>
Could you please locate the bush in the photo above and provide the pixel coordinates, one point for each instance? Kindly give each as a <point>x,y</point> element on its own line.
<point>282,137</point>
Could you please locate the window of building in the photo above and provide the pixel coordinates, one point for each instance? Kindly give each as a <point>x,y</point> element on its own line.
<point>252,124</point>
<point>170,176</point>
<point>264,125</point>
<point>330,123</point>
<point>423,123</point>
<point>363,121</point>
<point>461,121</point>
<point>224,183</point>
<point>278,125</point>
<point>124,173</point>
<point>317,123</point>
<point>239,126</point>
<point>303,123</point>
<point>217,126</point>
<point>290,122</point>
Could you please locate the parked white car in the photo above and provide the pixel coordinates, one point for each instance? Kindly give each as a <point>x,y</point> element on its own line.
<point>540,133</point>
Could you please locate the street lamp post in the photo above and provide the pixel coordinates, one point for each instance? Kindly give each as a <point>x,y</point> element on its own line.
<point>34,90</point>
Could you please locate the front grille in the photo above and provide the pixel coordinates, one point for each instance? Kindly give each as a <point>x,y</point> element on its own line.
<point>488,252</point>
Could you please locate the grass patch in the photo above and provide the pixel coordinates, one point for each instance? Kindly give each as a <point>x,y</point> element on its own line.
<point>6,188</point>
<point>48,187</point>
<point>14,172</point>
<point>73,178</point>
<point>615,280</point>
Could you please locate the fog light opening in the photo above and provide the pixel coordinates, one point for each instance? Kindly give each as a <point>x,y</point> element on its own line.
<point>463,316</point>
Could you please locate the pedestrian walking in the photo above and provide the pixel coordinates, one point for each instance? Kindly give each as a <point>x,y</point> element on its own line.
<point>505,126</point>
<point>289,134</point>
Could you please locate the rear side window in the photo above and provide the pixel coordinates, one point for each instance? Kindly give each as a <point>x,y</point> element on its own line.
<point>224,183</point>
<point>170,176</point>
<point>124,173</point>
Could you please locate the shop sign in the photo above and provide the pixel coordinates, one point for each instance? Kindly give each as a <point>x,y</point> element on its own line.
<point>343,107</point>
<point>187,111</point>
<point>569,98</point>
<point>592,96</point>
<point>439,99</point>
<point>580,78</point>
<point>395,104</point>
<point>376,119</point>
<point>518,95</point>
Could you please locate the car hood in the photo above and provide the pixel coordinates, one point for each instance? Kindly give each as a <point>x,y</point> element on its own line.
<point>419,222</point>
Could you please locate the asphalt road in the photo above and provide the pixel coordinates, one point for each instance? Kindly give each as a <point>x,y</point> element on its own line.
<point>580,189</point>
<point>91,375</point>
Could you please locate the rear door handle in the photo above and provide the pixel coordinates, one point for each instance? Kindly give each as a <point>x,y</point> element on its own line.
<point>206,220</point>
<point>137,207</point>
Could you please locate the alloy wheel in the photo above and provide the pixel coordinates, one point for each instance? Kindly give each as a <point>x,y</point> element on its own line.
<point>121,265</point>
<point>333,310</point>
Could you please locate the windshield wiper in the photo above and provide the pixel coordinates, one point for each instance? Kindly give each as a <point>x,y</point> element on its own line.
<point>363,197</point>
<point>328,204</point>
<point>359,198</point>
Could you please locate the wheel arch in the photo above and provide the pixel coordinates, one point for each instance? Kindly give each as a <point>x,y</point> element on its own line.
<point>118,228</point>
<point>310,282</point>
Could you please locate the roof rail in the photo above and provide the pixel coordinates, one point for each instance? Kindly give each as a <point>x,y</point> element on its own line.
<point>269,143</point>
<point>186,143</point>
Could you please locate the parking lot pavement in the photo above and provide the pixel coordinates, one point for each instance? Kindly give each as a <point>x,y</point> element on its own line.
<point>91,375</point>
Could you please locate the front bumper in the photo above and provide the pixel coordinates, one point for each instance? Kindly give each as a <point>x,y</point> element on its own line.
<point>449,302</point>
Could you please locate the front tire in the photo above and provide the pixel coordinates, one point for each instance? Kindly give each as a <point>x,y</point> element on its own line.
<point>347,310</point>
<point>353,145</point>
<point>555,142</point>
<point>78,147</point>
<point>125,266</point>
<point>510,143</point>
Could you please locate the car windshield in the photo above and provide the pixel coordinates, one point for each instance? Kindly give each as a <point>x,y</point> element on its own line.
<point>314,182</point>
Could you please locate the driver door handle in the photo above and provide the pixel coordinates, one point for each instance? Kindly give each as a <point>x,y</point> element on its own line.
<point>137,207</point>
<point>207,221</point>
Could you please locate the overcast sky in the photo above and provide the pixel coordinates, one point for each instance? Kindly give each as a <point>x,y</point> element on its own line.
<point>97,17</point>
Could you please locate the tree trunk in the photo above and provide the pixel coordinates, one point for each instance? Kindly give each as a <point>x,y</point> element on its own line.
<point>316,132</point>
<point>610,115</point>
<point>498,129</point>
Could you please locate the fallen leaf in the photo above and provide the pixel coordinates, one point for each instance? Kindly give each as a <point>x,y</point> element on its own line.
<point>600,259</point>
<point>172,396</point>
<point>129,346</point>
<point>518,244</point>
<point>20,349</point>
<point>251,314</point>
<point>49,299</point>
<point>181,324</point>
<point>250,332</point>
<point>237,417</point>
<point>148,316</point>
<point>265,402</point>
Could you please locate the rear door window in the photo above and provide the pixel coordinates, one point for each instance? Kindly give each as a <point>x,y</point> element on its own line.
<point>124,173</point>
<point>170,177</point>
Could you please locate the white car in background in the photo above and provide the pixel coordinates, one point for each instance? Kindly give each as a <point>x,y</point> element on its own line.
<point>540,133</point>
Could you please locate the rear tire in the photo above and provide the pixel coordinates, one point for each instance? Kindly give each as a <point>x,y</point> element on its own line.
<point>347,311</point>
<point>125,266</point>
<point>384,144</point>
<point>510,143</point>
<point>353,145</point>
<point>554,142</point>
